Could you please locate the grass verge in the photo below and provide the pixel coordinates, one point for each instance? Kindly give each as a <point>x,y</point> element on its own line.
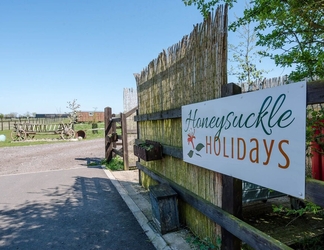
<point>116,164</point>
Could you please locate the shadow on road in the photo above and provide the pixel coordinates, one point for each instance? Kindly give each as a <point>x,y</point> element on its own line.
<point>90,161</point>
<point>88,215</point>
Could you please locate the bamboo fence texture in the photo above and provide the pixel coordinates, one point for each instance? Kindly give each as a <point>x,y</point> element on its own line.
<point>190,71</point>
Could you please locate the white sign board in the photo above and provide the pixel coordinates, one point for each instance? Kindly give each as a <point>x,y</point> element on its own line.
<point>258,137</point>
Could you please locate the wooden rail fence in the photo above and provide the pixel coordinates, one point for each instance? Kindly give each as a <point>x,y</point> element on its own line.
<point>113,125</point>
<point>8,124</point>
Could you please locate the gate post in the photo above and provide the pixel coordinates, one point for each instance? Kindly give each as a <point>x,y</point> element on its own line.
<point>108,145</point>
<point>124,140</point>
<point>232,189</point>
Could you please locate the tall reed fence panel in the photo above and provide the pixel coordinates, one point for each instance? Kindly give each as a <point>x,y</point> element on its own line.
<point>190,71</point>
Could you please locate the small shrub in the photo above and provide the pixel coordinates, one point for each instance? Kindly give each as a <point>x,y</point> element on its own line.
<point>94,127</point>
<point>116,163</point>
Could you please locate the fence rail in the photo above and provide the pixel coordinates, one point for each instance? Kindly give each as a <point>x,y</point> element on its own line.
<point>8,124</point>
<point>111,136</point>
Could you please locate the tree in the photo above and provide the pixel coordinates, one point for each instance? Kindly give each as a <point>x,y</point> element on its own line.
<point>296,29</point>
<point>245,56</point>
<point>73,106</point>
<point>293,30</point>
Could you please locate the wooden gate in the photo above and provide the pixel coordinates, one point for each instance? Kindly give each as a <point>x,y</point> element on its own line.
<point>117,133</point>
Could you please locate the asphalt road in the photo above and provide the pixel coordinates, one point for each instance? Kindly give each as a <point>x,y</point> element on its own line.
<point>67,206</point>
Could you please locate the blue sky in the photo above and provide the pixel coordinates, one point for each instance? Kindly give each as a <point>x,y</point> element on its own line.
<point>55,51</point>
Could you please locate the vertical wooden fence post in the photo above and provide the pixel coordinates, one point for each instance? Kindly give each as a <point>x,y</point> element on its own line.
<point>138,159</point>
<point>113,130</point>
<point>108,145</point>
<point>232,189</point>
<point>125,141</point>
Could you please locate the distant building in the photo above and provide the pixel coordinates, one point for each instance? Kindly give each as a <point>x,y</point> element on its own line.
<point>90,116</point>
<point>51,115</point>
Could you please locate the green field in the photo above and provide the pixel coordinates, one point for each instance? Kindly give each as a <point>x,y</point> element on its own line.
<point>53,138</point>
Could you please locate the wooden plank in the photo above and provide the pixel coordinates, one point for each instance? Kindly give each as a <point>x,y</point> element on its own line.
<point>167,150</point>
<point>108,127</point>
<point>161,115</point>
<point>138,159</point>
<point>118,152</point>
<point>250,235</point>
<point>113,128</point>
<point>315,191</point>
<point>232,188</point>
<point>130,112</point>
<point>132,131</point>
<point>172,151</point>
<point>116,119</point>
<point>125,141</point>
<point>314,188</point>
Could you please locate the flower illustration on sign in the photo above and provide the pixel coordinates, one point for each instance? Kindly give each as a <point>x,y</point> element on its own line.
<point>190,139</point>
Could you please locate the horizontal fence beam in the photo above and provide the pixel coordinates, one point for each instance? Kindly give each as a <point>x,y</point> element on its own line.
<point>315,95</point>
<point>167,114</point>
<point>130,112</point>
<point>116,119</point>
<point>314,188</point>
<point>167,150</point>
<point>118,152</point>
<point>248,234</point>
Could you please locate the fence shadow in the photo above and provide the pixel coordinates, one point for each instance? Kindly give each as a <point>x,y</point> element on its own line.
<point>89,214</point>
<point>90,161</point>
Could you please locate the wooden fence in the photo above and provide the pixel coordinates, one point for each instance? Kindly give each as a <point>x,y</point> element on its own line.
<point>190,71</point>
<point>8,124</point>
<point>194,70</point>
<point>114,124</point>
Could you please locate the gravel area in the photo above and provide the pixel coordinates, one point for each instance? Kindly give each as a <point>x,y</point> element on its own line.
<point>46,157</point>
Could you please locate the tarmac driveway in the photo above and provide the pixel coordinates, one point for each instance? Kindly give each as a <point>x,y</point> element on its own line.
<point>77,208</point>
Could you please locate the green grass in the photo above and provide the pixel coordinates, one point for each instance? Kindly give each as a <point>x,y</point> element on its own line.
<point>86,127</point>
<point>116,164</point>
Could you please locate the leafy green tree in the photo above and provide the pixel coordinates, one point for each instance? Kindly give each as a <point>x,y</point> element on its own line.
<point>294,27</point>
<point>293,30</point>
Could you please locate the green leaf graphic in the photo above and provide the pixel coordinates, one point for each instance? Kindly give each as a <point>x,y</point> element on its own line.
<point>199,147</point>
<point>198,154</point>
<point>190,153</point>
